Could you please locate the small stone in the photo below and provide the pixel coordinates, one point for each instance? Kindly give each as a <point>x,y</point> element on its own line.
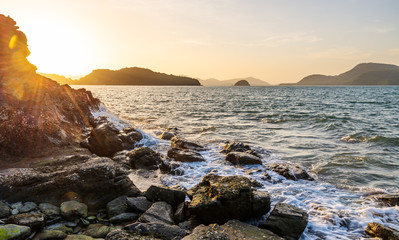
<point>14,232</point>
<point>17,205</point>
<point>28,206</point>
<point>60,227</point>
<point>78,237</point>
<point>72,210</point>
<point>71,224</point>
<point>33,220</point>
<point>84,222</point>
<point>124,217</point>
<point>49,209</point>
<point>4,210</point>
<point>139,204</point>
<point>97,230</point>
<point>50,235</point>
<point>14,211</point>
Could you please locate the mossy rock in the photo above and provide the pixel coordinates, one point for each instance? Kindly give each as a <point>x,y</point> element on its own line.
<point>14,232</point>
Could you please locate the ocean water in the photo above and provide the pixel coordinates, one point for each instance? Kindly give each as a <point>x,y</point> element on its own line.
<point>347,137</point>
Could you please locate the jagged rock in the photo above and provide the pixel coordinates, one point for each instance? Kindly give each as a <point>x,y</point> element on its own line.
<point>120,234</point>
<point>286,221</point>
<point>167,135</point>
<point>378,230</point>
<point>171,196</point>
<point>181,213</point>
<point>242,158</point>
<point>160,230</point>
<point>159,212</point>
<point>217,199</point>
<point>290,171</point>
<point>232,230</point>
<point>390,199</point>
<point>49,210</point>
<point>104,140</point>
<point>14,232</point>
<point>236,147</point>
<point>5,210</point>
<point>103,180</point>
<point>139,204</point>
<point>144,158</point>
<point>122,157</point>
<point>73,210</point>
<point>97,230</point>
<point>33,220</point>
<point>117,206</point>
<point>185,155</point>
<point>167,166</point>
<point>27,207</point>
<point>180,143</point>
<point>130,136</point>
<point>78,237</point>
<point>124,217</point>
<point>50,235</point>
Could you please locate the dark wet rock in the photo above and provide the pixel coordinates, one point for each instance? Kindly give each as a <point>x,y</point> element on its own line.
<point>217,199</point>
<point>144,158</point>
<point>384,232</point>
<point>33,220</point>
<point>167,135</point>
<point>190,224</point>
<point>236,147</point>
<point>50,235</point>
<point>139,204</point>
<point>60,227</point>
<point>103,180</point>
<point>185,155</point>
<point>242,158</point>
<point>73,210</point>
<point>117,206</point>
<point>27,207</point>
<point>181,212</point>
<point>104,140</point>
<point>232,230</point>
<point>124,217</point>
<point>167,166</point>
<point>120,234</point>
<point>159,212</point>
<point>122,157</point>
<point>290,171</point>
<point>390,199</point>
<point>183,144</point>
<point>286,221</point>
<point>97,230</point>
<point>49,209</point>
<point>160,230</point>
<point>5,210</point>
<point>14,232</point>
<point>78,237</point>
<point>130,136</point>
<point>171,196</point>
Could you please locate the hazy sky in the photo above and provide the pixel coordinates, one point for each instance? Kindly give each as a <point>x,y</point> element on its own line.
<point>277,41</point>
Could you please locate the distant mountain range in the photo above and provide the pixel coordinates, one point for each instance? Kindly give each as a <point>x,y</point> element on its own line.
<point>215,82</point>
<point>362,74</point>
<point>126,76</point>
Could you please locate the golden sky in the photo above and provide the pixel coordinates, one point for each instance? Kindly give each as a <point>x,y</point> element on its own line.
<point>273,40</point>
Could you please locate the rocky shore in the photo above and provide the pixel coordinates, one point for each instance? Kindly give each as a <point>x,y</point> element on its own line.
<point>65,174</point>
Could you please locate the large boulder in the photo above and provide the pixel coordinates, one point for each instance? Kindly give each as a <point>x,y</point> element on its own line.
<point>286,221</point>
<point>104,140</point>
<point>5,210</point>
<point>218,199</point>
<point>14,232</point>
<point>232,230</point>
<point>242,158</point>
<point>290,171</point>
<point>183,144</point>
<point>185,155</point>
<point>380,231</point>
<point>171,196</point>
<point>103,180</point>
<point>138,204</point>
<point>35,221</point>
<point>159,212</point>
<point>144,158</point>
<point>164,231</point>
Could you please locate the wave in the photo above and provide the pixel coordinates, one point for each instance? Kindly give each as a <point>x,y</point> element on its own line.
<point>359,138</point>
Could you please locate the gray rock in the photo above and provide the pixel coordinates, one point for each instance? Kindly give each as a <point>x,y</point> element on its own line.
<point>117,206</point>
<point>171,196</point>
<point>181,212</point>
<point>286,221</point>
<point>139,204</point>
<point>28,206</point>
<point>33,220</point>
<point>242,158</point>
<point>378,230</point>
<point>290,171</point>
<point>14,232</point>
<point>14,211</point>
<point>5,211</point>
<point>159,212</point>
<point>124,217</point>
<point>160,230</point>
<point>17,205</point>
<point>144,158</point>
<point>60,227</point>
<point>97,230</point>
<point>185,155</point>
<point>73,210</point>
<point>120,234</point>
<point>49,210</point>
<point>78,237</point>
<point>232,230</point>
<point>50,235</point>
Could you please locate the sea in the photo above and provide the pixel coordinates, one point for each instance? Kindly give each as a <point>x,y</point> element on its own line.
<point>346,137</point>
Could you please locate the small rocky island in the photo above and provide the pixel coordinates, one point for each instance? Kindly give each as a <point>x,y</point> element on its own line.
<point>242,83</point>
<point>65,174</point>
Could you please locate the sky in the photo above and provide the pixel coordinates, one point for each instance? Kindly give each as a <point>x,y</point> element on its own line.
<point>278,41</point>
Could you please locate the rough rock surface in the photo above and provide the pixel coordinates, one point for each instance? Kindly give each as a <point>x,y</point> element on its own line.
<point>73,210</point>
<point>242,158</point>
<point>232,230</point>
<point>117,206</point>
<point>185,155</point>
<point>160,230</point>
<point>120,234</point>
<point>378,230</point>
<point>217,199</point>
<point>49,210</point>
<point>183,144</point>
<point>144,158</point>
<point>390,199</point>
<point>104,140</point>
<point>237,147</point>
<point>139,204</point>
<point>159,212</point>
<point>50,235</point>
<point>104,179</point>
<point>33,220</point>
<point>286,221</point>
<point>97,230</point>
<point>171,196</point>
<point>290,171</point>
<point>124,217</point>
<point>27,207</point>
<point>14,232</point>
<point>5,210</point>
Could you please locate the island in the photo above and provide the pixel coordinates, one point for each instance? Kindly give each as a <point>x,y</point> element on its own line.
<point>242,83</point>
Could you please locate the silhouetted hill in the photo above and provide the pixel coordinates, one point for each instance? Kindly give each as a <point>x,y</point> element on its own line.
<point>362,74</point>
<point>242,83</point>
<point>133,76</point>
<point>215,82</point>
<point>58,78</point>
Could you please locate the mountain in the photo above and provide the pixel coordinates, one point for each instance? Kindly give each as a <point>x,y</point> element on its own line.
<point>362,74</point>
<point>58,78</point>
<point>242,83</point>
<point>130,76</point>
<point>215,82</point>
